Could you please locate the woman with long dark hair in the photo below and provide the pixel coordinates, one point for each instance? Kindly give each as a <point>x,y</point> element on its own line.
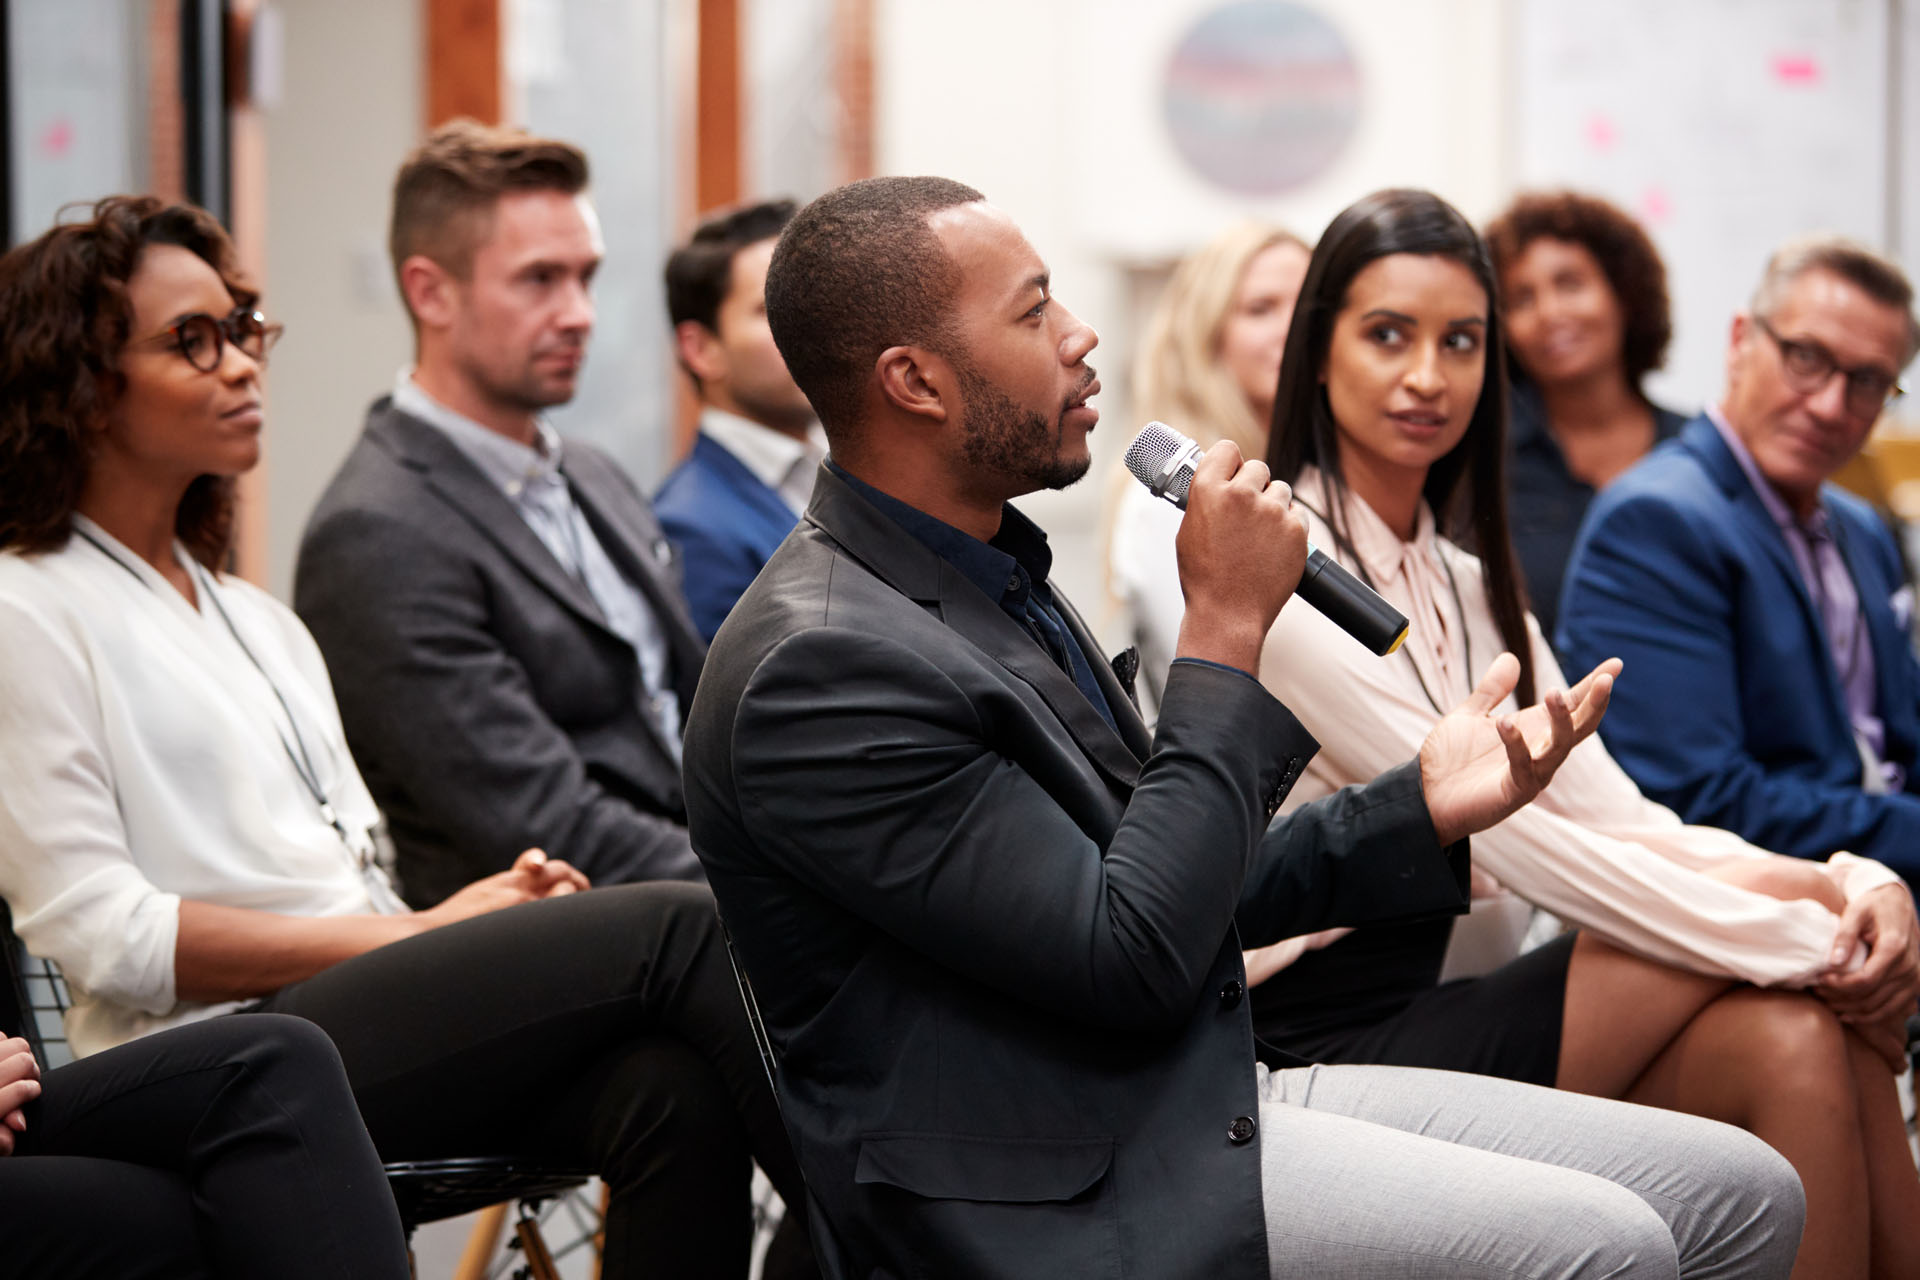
<point>1389,422</point>
<point>184,832</point>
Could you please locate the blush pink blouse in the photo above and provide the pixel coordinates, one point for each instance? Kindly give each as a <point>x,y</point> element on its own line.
<point>1591,849</point>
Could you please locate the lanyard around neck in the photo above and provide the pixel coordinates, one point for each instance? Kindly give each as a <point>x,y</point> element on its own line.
<point>296,748</point>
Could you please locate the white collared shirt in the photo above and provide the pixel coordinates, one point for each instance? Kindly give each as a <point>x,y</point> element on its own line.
<point>782,463</point>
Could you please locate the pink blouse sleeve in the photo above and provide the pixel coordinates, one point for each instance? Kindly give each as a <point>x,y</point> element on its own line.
<point>1591,850</point>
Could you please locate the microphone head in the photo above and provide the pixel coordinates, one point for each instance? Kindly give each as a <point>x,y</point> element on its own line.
<point>1163,460</point>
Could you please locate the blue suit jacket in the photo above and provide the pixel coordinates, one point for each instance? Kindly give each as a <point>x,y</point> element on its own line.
<point>725,521</point>
<point>1730,708</point>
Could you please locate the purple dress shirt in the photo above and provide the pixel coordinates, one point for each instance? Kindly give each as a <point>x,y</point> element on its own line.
<point>1838,601</point>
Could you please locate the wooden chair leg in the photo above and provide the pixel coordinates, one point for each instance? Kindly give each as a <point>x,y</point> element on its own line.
<point>600,1236</point>
<point>533,1247</point>
<point>482,1241</point>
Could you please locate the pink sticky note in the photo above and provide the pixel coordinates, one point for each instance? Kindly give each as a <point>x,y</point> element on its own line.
<point>1796,69</point>
<point>1601,132</point>
<point>57,140</point>
<point>1655,206</point>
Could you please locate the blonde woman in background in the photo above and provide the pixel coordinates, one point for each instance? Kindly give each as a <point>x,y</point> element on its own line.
<point>1208,366</point>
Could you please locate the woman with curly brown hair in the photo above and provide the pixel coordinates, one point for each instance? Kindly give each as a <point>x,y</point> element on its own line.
<point>1584,295</point>
<point>183,830</point>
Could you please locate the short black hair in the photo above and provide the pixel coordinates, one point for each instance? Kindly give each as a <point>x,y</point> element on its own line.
<point>700,271</point>
<point>855,272</point>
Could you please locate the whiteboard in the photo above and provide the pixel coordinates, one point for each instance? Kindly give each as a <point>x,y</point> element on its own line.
<point>1727,126</point>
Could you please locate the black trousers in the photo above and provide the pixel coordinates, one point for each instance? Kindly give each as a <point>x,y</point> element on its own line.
<point>604,1029</point>
<point>228,1148</point>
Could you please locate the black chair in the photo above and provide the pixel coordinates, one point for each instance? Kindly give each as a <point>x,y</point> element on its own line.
<point>34,999</point>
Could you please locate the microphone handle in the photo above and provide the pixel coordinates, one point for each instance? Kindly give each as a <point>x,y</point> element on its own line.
<point>1350,604</point>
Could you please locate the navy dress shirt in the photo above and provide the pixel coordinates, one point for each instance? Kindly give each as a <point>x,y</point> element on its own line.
<point>1010,570</point>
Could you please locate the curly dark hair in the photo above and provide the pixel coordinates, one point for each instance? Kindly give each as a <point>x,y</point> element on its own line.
<point>64,318</point>
<point>1618,243</point>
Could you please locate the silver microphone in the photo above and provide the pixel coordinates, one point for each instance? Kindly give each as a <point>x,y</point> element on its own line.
<point>1164,460</point>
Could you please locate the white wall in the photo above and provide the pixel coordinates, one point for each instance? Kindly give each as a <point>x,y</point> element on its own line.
<point>350,110</point>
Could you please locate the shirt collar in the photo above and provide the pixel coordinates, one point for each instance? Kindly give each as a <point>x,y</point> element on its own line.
<point>1770,498</point>
<point>510,465</point>
<point>772,456</point>
<point>1005,570</point>
<point>1380,550</point>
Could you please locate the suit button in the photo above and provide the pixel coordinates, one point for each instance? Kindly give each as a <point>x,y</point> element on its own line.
<point>1241,1131</point>
<point>1231,993</point>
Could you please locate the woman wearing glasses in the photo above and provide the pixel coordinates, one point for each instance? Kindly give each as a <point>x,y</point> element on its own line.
<point>183,831</point>
<point>1706,975</point>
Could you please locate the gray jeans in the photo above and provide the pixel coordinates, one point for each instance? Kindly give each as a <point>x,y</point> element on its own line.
<point>1394,1172</point>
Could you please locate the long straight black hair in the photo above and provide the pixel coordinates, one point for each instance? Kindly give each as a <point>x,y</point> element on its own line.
<point>1467,489</point>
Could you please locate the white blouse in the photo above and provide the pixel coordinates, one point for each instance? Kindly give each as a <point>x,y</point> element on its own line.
<point>146,757</point>
<point>1145,576</point>
<point>1590,849</point>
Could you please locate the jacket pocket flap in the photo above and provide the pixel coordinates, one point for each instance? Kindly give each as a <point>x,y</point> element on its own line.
<point>942,1166</point>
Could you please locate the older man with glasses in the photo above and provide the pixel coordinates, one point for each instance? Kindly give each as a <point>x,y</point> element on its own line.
<point>1764,616</point>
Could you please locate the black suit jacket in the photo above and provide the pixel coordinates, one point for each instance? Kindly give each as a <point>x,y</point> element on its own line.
<point>486,700</point>
<point>993,938</point>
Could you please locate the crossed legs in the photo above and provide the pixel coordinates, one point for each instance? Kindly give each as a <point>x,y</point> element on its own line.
<point>1776,1063</point>
<point>228,1148</point>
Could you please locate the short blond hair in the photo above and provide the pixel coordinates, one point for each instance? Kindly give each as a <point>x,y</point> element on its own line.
<point>1179,376</point>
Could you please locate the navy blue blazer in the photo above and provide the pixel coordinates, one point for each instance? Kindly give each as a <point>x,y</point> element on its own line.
<point>725,521</point>
<point>1730,708</point>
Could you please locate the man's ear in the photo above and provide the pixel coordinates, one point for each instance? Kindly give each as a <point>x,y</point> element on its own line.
<point>1736,345</point>
<point>916,381</point>
<point>699,350</point>
<point>428,290</point>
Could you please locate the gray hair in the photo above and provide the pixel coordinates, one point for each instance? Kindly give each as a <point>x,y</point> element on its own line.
<point>1879,277</point>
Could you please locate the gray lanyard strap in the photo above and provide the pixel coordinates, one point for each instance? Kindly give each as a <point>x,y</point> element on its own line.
<point>297,754</point>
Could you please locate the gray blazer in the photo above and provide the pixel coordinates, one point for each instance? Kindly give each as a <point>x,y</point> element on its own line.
<point>485,699</point>
<point>996,942</point>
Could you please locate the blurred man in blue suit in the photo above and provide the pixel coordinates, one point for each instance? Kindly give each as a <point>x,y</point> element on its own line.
<point>1763,615</point>
<point>740,491</point>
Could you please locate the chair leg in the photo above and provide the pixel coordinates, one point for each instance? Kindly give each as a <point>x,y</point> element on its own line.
<point>533,1246</point>
<point>482,1241</point>
<point>600,1236</point>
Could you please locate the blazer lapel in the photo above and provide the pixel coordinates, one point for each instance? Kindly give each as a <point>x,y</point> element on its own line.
<point>456,481</point>
<point>917,573</point>
<point>645,556</point>
<point>1761,531</point>
<point>753,493</point>
<point>1133,730</point>
<point>1884,638</point>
